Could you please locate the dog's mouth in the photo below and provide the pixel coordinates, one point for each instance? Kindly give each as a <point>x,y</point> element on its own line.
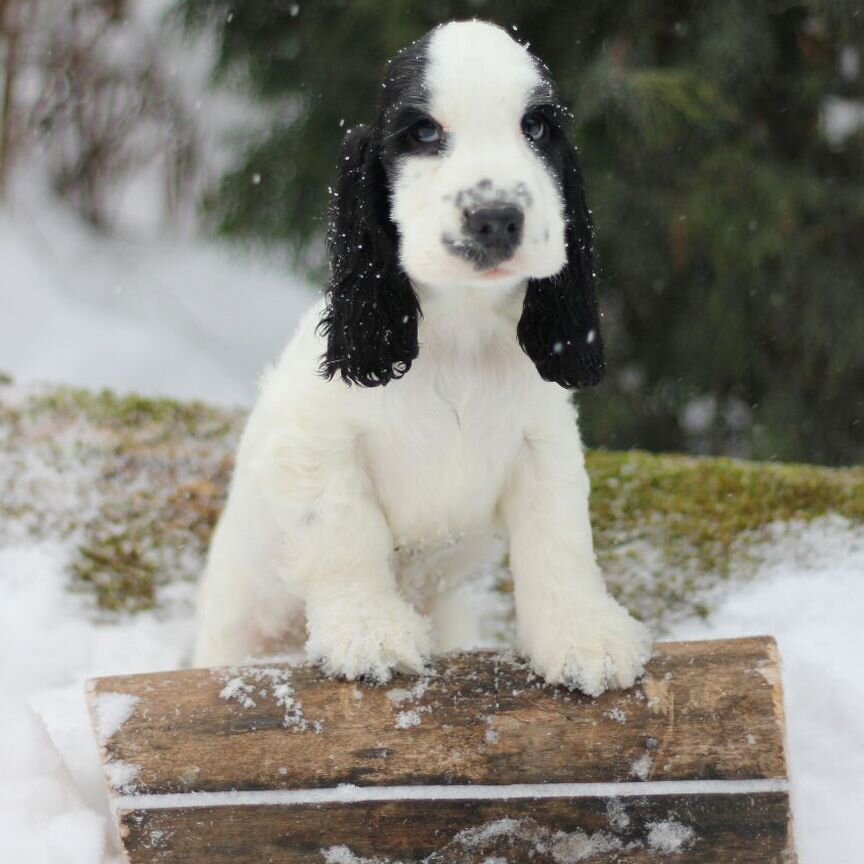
<point>497,273</point>
<point>486,260</point>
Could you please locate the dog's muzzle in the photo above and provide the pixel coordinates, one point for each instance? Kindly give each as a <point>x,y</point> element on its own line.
<point>491,233</point>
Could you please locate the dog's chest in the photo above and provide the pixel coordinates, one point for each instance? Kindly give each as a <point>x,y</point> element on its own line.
<point>442,459</point>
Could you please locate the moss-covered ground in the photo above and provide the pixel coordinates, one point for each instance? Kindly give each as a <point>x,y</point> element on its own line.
<point>670,528</point>
<point>132,487</point>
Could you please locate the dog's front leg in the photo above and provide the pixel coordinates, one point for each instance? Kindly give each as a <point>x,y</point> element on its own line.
<point>569,627</point>
<point>338,558</point>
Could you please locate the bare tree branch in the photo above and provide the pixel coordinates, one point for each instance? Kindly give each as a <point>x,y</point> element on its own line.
<point>10,31</point>
<point>103,107</point>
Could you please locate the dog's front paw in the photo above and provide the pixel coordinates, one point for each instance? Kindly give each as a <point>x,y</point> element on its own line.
<point>596,648</point>
<point>368,641</point>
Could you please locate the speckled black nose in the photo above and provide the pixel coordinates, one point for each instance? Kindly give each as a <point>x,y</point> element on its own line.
<point>497,229</point>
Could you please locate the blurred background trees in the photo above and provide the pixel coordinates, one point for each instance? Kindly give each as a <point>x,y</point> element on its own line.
<point>87,84</point>
<point>723,145</point>
<point>722,142</point>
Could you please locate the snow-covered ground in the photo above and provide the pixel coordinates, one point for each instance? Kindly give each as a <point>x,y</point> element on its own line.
<point>53,806</point>
<point>809,594</point>
<point>162,317</point>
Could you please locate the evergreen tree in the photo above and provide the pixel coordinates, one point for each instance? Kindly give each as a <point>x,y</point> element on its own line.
<point>728,198</point>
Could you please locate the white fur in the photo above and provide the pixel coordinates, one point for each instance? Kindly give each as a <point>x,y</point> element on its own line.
<point>355,514</point>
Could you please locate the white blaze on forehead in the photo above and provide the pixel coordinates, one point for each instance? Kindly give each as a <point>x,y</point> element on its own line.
<point>476,69</point>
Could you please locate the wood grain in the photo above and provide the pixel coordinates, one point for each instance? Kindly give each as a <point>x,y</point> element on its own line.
<point>720,829</point>
<point>704,710</point>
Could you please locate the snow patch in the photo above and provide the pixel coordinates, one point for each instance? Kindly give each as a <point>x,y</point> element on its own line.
<point>616,814</point>
<point>157,838</point>
<point>642,766</point>
<point>407,719</point>
<point>122,776</point>
<point>669,837</point>
<point>112,711</point>
<point>568,848</point>
<point>617,715</point>
<point>343,855</point>
<point>238,690</point>
<point>504,840</point>
<point>240,683</point>
<point>398,696</point>
<point>809,593</point>
<point>43,817</point>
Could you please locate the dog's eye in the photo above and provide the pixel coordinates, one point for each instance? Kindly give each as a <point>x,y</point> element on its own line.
<point>426,131</point>
<point>534,126</point>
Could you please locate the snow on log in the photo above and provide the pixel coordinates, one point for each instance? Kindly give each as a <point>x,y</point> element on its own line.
<point>477,761</point>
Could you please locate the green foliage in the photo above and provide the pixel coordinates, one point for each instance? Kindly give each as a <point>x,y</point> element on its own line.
<point>728,220</point>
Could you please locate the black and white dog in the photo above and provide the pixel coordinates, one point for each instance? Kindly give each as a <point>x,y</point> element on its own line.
<point>461,277</point>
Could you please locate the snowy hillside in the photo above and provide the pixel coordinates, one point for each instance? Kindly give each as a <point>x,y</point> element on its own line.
<point>173,317</point>
<point>106,504</point>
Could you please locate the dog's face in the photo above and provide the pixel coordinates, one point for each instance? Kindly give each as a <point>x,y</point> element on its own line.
<point>466,179</point>
<point>471,133</point>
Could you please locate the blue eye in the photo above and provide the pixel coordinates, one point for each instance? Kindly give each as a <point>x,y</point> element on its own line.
<point>426,131</point>
<point>534,126</point>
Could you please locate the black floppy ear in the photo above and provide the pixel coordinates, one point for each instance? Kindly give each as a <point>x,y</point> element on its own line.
<point>370,318</point>
<point>560,324</point>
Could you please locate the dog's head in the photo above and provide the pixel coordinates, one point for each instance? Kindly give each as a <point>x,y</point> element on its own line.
<point>466,179</point>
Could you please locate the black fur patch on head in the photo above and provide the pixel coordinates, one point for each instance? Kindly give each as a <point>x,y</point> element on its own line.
<point>372,311</point>
<point>404,100</point>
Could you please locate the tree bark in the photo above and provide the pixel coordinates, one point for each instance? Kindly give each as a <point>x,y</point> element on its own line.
<point>478,759</point>
<point>10,30</point>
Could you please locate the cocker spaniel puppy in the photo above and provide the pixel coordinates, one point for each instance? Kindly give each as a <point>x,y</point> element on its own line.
<point>461,278</point>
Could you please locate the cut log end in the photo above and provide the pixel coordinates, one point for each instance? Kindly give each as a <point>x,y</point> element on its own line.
<point>478,761</point>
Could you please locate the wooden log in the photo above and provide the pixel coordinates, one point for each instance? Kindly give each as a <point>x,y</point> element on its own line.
<point>477,761</point>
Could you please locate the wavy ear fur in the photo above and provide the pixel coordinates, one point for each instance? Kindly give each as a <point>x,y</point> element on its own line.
<point>371,314</point>
<point>560,324</point>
